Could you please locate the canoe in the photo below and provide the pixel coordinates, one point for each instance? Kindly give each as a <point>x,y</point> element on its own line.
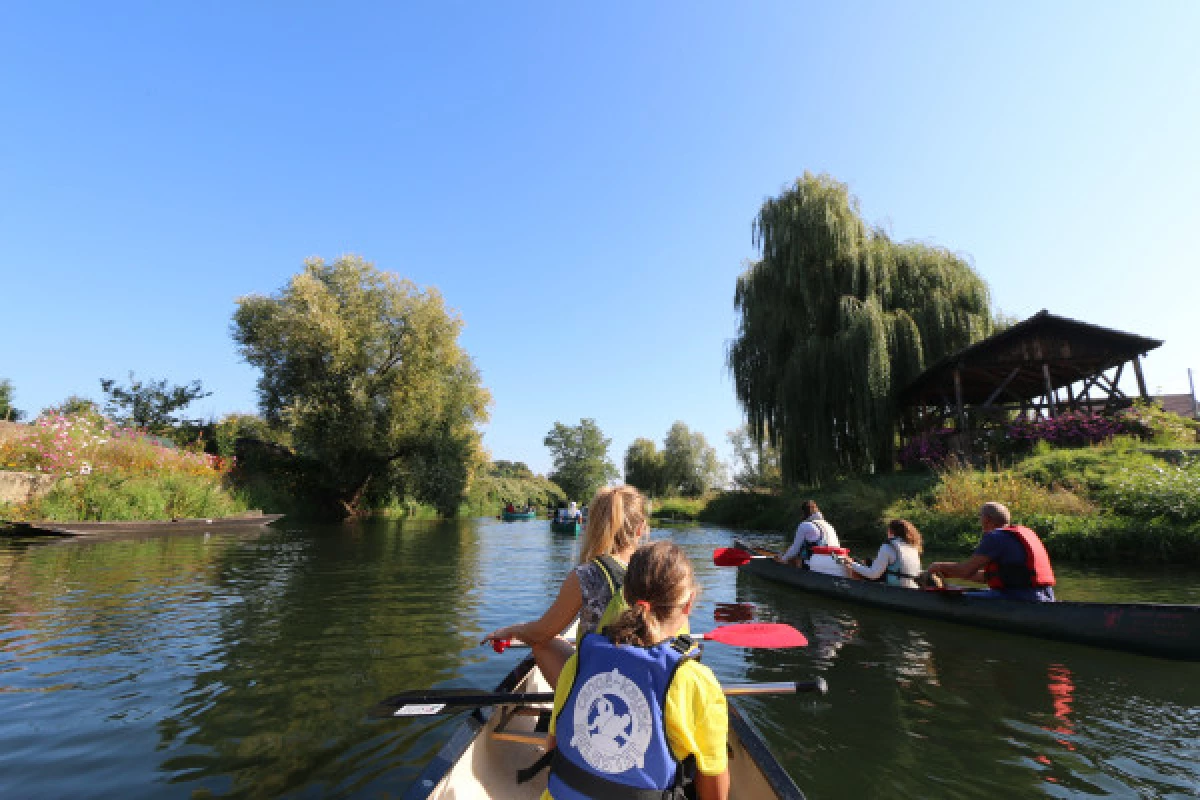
<point>482,756</point>
<point>509,516</point>
<point>1154,629</point>
<point>251,519</point>
<point>572,528</point>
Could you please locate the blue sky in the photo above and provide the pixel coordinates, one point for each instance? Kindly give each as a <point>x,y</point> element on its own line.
<point>578,180</point>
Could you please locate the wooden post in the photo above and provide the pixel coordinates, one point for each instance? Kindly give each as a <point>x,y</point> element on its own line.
<point>1049,390</point>
<point>1141,379</point>
<point>958,401</point>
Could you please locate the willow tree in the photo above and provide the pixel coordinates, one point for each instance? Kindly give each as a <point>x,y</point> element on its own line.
<point>365,371</point>
<point>835,319</point>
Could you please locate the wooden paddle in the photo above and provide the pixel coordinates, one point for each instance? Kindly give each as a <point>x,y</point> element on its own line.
<point>755,634</point>
<point>428,702</point>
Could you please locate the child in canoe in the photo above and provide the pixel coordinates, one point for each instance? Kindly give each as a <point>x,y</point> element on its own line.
<point>633,704</point>
<point>616,525</point>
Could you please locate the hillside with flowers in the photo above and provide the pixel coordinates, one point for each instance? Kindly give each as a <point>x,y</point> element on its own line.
<point>102,471</point>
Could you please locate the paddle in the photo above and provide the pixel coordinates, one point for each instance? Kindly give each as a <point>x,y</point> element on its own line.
<point>734,612</point>
<point>428,702</point>
<point>755,634</point>
<point>733,557</point>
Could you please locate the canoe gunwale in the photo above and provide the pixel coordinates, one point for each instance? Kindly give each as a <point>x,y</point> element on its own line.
<point>1150,629</point>
<point>464,735</point>
<point>756,748</point>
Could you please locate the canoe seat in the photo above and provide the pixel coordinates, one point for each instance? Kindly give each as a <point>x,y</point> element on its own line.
<point>541,728</point>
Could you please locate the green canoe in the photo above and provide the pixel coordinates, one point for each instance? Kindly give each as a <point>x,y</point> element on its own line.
<point>511,515</point>
<point>572,528</point>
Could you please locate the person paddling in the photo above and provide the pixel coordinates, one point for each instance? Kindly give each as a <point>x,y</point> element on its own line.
<point>633,704</point>
<point>898,561</point>
<point>615,526</point>
<point>814,531</point>
<point>1010,558</point>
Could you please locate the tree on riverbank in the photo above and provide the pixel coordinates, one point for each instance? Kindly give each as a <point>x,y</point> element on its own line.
<point>151,405</point>
<point>8,413</point>
<point>365,371</point>
<point>581,463</point>
<point>835,318</point>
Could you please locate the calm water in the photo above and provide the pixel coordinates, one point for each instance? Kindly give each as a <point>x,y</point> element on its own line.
<point>241,665</point>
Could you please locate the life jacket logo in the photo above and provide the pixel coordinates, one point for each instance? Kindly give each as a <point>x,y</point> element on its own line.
<point>612,725</point>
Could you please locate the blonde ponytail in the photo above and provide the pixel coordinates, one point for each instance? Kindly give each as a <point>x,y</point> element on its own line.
<point>615,516</point>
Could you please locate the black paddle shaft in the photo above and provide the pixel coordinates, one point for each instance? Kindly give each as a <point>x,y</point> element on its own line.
<point>395,705</point>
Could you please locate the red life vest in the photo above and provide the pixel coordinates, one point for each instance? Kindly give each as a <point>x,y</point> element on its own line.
<point>1034,573</point>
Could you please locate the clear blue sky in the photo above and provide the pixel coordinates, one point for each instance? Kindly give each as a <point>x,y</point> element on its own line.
<point>578,179</point>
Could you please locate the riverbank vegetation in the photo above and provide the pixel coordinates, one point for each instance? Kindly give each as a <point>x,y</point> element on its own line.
<point>106,472</point>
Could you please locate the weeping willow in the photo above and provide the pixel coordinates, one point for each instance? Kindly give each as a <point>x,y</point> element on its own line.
<point>835,319</point>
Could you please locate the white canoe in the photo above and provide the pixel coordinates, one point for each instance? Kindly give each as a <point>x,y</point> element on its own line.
<point>484,753</point>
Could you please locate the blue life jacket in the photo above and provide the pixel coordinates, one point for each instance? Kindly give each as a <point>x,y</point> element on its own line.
<point>894,567</point>
<point>611,740</point>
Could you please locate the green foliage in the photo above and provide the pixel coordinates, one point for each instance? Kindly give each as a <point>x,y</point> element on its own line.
<point>502,485</point>
<point>237,426</point>
<point>644,467</point>
<point>121,495</point>
<point>73,405</point>
<point>510,469</point>
<point>1153,424</point>
<point>690,464</point>
<point>755,461</point>
<point>835,318</point>
<point>365,372</point>
<point>8,413</point>
<point>679,508</point>
<point>581,463</point>
<point>151,405</point>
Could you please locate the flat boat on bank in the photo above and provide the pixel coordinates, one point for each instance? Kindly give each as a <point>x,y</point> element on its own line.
<point>483,755</point>
<point>1154,629</point>
<point>251,519</point>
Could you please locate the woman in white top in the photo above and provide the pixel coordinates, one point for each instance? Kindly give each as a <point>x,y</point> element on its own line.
<point>899,559</point>
<point>814,531</point>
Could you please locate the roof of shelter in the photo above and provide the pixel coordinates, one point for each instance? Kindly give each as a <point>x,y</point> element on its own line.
<point>1182,404</point>
<point>1072,350</point>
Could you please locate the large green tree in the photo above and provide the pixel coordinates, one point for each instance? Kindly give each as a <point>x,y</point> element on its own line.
<point>644,467</point>
<point>581,463</point>
<point>835,319</point>
<point>690,464</point>
<point>365,371</point>
<point>755,460</point>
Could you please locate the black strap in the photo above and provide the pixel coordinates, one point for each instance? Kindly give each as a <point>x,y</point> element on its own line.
<point>614,570</point>
<point>591,785</point>
<point>529,773</point>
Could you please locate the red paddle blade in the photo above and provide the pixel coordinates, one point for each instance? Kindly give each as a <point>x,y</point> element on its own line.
<point>758,634</point>
<point>731,557</point>
<point>733,612</point>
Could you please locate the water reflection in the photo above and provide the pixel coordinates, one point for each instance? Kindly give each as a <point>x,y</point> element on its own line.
<point>241,666</point>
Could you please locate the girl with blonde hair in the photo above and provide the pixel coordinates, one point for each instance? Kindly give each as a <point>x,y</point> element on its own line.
<point>617,522</point>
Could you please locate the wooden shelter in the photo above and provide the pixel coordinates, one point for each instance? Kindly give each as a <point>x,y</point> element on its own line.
<point>1040,366</point>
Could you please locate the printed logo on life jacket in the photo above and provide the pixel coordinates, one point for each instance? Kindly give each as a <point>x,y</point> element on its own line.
<point>612,723</point>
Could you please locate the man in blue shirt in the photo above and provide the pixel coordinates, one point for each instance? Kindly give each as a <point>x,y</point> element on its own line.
<point>1009,558</point>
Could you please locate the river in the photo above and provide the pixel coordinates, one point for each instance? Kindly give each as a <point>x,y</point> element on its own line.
<point>241,665</point>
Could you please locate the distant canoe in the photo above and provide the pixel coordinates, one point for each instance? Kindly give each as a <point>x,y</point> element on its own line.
<point>251,519</point>
<point>509,516</point>
<point>572,528</point>
<point>1155,629</point>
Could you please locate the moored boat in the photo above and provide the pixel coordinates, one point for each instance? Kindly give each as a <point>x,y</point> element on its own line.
<point>249,519</point>
<point>573,527</point>
<point>510,516</point>
<point>482,756</point>
<point>1155,629</point>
